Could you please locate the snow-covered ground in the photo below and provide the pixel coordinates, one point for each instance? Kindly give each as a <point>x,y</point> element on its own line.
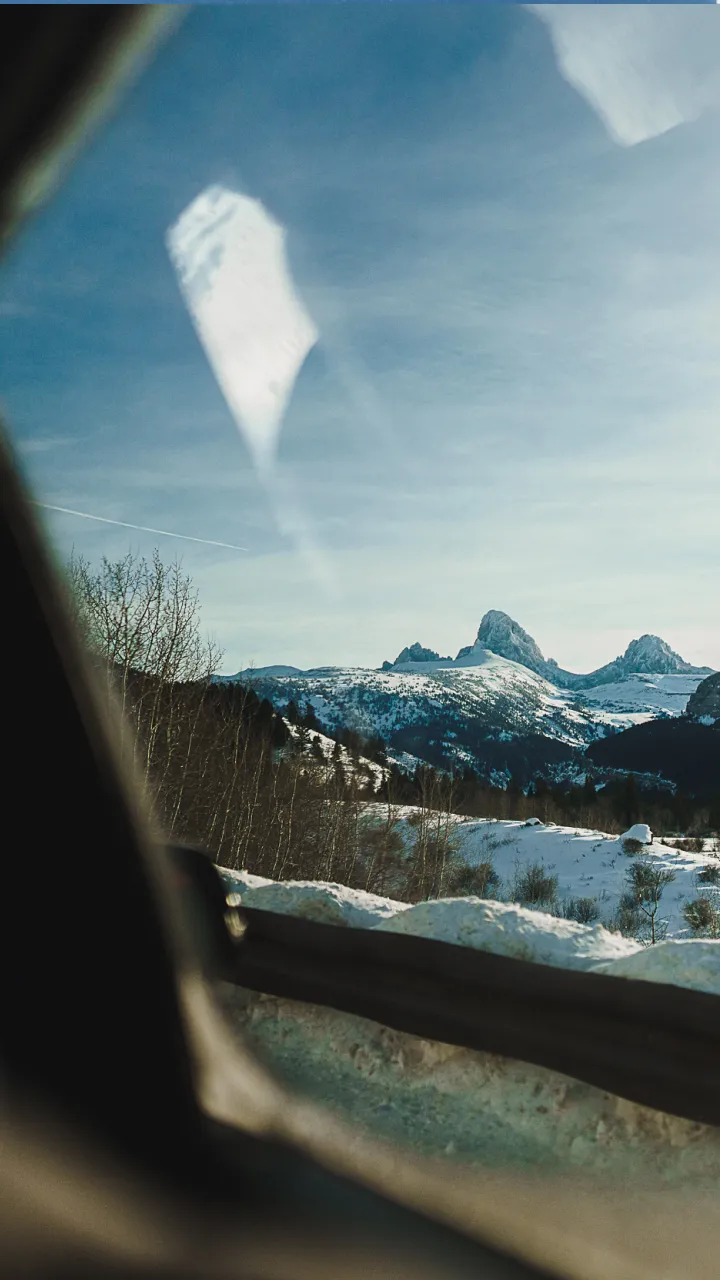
<point>588,864</point>
<point>461,1105</point>
<point>638,698</point>
<point>350,766</point>
<point>468,1107</point>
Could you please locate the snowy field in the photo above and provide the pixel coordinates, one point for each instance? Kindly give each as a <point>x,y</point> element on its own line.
<point>588,864</point>
<point>582,860</point>
<point>639,698</point>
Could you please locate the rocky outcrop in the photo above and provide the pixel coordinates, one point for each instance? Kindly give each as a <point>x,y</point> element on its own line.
<point>648,655</point>
<point>499,633</point>
<point>704,703</point>
<point>416,653</point>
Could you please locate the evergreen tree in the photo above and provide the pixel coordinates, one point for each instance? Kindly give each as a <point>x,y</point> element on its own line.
<point>375,750</point>
<point>264,716</point>
<point>513,789</point>
<point>279,732</point>
<point>310,720</point>
<point>683,809</point>
<point>628,801</point>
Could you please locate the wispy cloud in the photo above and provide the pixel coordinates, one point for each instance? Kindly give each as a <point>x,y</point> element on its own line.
<point>44,444</point>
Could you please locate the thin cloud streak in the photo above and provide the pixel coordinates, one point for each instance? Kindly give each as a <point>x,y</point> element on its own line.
<point>142,528</point>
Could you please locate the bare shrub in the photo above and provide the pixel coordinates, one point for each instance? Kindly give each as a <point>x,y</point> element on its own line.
<point>383,854</point>
<point>478,881</point>
<point>534,886</point>
<point>692,844</point>
<point>583,910</point>
<point>627,918</point>
<point>632,847</point>
<point>703,917</point>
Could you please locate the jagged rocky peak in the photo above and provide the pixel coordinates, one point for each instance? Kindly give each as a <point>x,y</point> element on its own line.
<point>417,653</point>
<point>499,633</point>
<point>502,635</point>
<point>653,656</point>
<point>704,703</point>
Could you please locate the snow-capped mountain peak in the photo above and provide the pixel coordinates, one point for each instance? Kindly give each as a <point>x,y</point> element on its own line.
<point>500,705</point>
<point>499,633</point>
<point>651,655</point>
<point>648,655</point>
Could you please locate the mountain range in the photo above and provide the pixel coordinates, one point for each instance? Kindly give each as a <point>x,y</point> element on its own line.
<point>500,634</point>
<point>499,705</point>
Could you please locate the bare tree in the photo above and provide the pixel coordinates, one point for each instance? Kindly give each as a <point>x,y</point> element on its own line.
<point>141,620</point>
<point>646,882</point>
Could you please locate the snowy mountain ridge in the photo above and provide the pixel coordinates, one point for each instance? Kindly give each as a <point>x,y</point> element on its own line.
<point>499,633</point>
<point>499,705</point>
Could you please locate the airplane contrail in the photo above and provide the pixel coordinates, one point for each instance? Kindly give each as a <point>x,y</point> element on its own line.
<point>143,528</point>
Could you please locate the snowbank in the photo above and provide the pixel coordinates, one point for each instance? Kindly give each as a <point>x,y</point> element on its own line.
<point>326,903</point>
<point>640,832</point>
<point>513,931</point>
<point>682,963</point>
<point>467,1106</point>
<point>498,927</point>
<point>236,881</point>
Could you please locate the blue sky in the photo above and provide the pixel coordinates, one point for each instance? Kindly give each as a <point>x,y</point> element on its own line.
<point>504,225</point>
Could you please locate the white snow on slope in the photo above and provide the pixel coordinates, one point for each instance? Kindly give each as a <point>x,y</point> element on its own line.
<point>470,1107</point>
<point>458,1104</point>
<point>328,745</point>
<point>639,698</point>
<point>482,688</point>
<point>418,693</point>
<point>640,831</point>
<point>507,929</point>
<point>588,864</point>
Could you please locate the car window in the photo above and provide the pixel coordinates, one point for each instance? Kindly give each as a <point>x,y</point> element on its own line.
<point>365,375</point>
